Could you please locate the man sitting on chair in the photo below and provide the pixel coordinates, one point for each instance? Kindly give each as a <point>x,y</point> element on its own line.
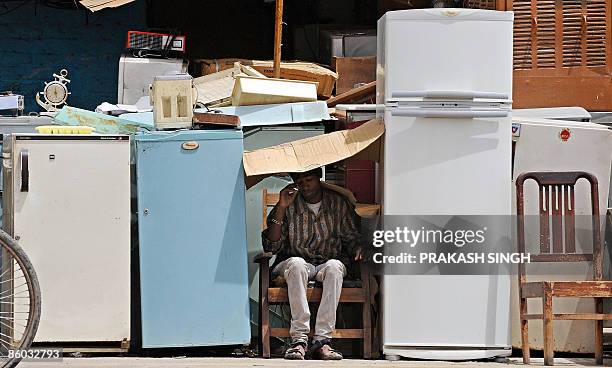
<point>313,231</point>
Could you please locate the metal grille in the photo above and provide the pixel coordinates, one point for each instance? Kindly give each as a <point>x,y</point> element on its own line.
<point>143,41</point>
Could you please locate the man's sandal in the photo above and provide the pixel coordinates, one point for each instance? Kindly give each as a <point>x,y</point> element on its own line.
<point>321,349</point>
<point>297,351</point>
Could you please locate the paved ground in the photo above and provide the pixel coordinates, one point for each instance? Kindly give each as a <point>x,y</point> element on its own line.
<point>180,362</point>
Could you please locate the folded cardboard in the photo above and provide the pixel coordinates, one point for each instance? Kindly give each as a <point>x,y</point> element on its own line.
<point>310,153</point>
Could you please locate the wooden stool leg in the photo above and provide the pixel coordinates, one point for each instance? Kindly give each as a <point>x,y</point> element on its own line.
<point>524,331</point>
<point>549,353</point>
<point>264,311</point>
<point>599,333</point>
<point>367,315</point>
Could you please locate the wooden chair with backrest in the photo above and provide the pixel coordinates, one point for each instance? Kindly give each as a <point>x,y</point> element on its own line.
<point>273,295</point>
<point>557,221</point>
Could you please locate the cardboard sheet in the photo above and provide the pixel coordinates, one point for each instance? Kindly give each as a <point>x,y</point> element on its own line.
<point>310,153</point>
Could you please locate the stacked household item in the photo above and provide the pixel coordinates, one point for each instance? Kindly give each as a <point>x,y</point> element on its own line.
<point>192,238</point>
<point>447,153</point>
<point>191,226</point>
<point>556,145</point>
<point>67,202</point>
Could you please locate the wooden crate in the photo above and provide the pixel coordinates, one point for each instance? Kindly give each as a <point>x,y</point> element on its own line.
<point>353,71</point>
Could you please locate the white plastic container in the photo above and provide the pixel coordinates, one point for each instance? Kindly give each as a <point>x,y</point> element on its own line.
<point>173,98</point>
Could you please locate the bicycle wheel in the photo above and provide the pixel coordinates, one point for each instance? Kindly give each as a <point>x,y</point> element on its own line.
<point>19,301</point>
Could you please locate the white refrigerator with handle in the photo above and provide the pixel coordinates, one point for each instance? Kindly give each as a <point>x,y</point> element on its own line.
<point>445,79</point>
<point>67,202</point>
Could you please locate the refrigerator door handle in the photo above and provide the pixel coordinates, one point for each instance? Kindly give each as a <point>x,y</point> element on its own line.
<point>449,113</point>
<point>25,171</point>
<point>450,95</point>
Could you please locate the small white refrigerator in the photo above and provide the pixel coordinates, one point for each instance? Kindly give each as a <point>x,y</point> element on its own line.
<point>67,202</point>
<point>445,79</point>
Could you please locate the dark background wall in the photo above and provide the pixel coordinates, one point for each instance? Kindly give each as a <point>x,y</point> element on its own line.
<point>37,41</point>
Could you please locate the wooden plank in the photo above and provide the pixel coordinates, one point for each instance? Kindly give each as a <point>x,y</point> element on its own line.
<point>572,316</point>
<point>264,207</point>
<point>344,333</point>
<point>599,332</point>
<point>591,92</point>
<point>278,37</point>
<point>557,224</point>
<point>549,353</point>
<point>558,34</point>
<point>355,95</point>
<point>313,295</point>
<point>561,258</point>
<point>353,71</point>
<point>365,210</point>
<point>583,316</point>
<point>264,310</point>
<point>532,289</point>
<point>366,313</point>
<point>215,119</point>
<point>570,225</point>
<point>272,199</point>
<point>527,317</point>
<point>582,289</point>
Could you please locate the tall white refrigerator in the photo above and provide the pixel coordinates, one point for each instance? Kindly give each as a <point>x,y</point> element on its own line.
<point>445,78</point>
<point>67,202</point>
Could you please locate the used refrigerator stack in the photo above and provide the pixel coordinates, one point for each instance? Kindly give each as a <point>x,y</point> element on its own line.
<point>445,78</point>
<point>67,202</point>
<point>192,238</point>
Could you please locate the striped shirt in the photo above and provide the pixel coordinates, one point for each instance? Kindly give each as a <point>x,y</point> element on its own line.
<point>330,234</point>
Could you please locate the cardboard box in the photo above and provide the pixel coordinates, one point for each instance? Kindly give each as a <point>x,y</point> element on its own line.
<point>354,72</point>
<point>307,154</point>
<point>297,70</point>
<point>303,71</point>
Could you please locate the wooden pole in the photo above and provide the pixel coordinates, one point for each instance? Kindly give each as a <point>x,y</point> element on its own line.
<point>278,37</point>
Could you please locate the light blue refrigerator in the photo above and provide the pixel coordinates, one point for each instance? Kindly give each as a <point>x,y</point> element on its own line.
<point>192,238</point>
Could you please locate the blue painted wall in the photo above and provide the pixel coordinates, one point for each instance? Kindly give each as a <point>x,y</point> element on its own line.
<point>37,41</point>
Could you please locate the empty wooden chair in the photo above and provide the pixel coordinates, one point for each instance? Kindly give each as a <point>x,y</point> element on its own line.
<point>557,227</point>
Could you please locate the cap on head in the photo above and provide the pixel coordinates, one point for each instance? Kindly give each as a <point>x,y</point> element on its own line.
<point>317,172</point>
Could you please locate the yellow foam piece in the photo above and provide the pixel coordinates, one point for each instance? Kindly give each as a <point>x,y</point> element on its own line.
<point>64,129</point>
